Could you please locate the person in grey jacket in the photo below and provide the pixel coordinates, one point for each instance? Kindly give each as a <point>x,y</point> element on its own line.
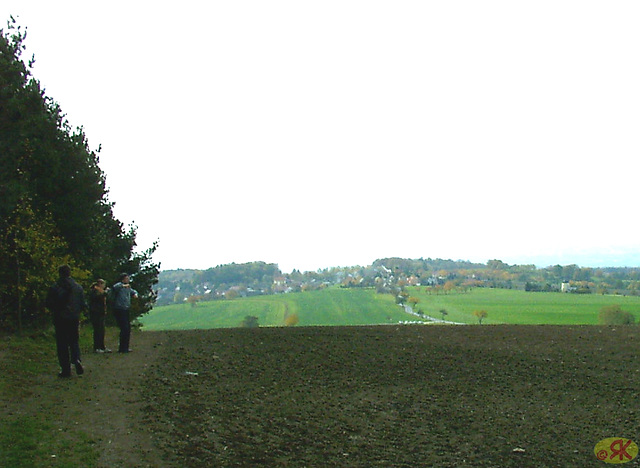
<point>122,292</point>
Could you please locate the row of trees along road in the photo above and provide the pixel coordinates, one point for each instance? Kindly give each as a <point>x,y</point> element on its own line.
<point>53,201</point>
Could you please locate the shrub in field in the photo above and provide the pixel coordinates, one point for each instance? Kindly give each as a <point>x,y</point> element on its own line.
<point>614,315</point>
<point>480,315</point>
<point>291,320</point>
<point>250,322</point>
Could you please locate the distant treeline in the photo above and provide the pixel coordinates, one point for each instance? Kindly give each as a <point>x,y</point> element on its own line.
<point>390,275</point>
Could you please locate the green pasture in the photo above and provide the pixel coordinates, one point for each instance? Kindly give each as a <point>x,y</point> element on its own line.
<point>336,306</point>
<point>521,307</point>
<point>332,306</point>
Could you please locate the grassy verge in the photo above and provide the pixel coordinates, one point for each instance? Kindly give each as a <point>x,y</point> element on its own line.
<point>27,439</point>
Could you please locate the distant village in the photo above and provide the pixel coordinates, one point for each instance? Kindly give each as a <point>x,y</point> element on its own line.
<point>391,275</point>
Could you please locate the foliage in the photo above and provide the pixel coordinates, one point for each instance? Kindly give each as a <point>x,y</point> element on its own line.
<point>291,320</point>
<point>402,298</point>
<point>250,321</point>
<point>232,294</point>
<point>144,275</point>
<point>193,300</point>
<point>480,315</point>
<point>253,274</point>
<point>33,251</point>
<point>53,199</point>
<point>614,315</point>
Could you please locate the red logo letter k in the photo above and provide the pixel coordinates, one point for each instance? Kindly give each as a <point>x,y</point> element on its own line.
<point>621,451</point>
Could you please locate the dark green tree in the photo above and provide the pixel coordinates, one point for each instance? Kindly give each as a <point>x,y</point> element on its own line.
<point>50,177</point>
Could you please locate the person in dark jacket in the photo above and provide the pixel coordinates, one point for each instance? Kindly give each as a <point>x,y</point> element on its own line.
<point>122,292</point>
<point>66,302</point>
<point>97,313</point>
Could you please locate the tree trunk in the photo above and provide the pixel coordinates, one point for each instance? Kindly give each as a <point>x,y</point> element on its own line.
<point>19,294</point>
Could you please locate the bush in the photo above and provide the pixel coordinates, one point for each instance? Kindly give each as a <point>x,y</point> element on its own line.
<point>614,315</point>
<point>250,322</point>
<point>291,320</point>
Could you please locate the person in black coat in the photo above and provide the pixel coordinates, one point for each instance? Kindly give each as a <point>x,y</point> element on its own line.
<point>66,302</point>
<point>97,313</point>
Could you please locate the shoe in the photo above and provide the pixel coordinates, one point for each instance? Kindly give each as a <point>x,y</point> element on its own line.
<point>99,351</point>
<point>125,350</point>
<point>64,375</point>
<point>107,350</point>
<point>79,368</point>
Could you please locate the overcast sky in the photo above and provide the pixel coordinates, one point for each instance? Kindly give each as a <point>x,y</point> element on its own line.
<point>331,133</point>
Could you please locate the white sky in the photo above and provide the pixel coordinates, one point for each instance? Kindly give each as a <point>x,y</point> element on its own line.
<point>331,133</point>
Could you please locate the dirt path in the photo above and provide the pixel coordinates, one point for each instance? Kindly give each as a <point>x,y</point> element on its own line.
<point>105,403</point>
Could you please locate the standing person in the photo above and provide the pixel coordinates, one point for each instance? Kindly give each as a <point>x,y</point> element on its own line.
<point>97,314</point>
<point>65,300</point>
<point>122,293</point>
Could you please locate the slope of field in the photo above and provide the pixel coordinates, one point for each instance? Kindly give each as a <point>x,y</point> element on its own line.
<point>336,306</point>
<point>332,306</point>
<point>521,307</point>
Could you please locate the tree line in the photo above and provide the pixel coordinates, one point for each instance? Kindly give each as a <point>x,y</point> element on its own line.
<point>393,275</point>
<point>54,206</point>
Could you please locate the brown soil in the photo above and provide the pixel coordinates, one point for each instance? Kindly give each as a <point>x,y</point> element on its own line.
<point>445,396</point>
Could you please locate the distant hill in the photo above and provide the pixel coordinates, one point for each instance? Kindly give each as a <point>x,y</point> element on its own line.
<point>390,275</point>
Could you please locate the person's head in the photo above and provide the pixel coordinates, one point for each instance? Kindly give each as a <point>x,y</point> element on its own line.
<point>64,271</point>
<point>101,283</point>
<point>124,278</point>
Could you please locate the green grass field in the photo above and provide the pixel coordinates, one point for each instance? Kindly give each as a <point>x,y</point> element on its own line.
<point>335,306</point>
<point>520,307</point>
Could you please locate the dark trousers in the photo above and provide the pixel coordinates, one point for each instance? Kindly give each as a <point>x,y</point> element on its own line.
<point>97,321</point>
<point>122,319</point>
<point>67,342</point>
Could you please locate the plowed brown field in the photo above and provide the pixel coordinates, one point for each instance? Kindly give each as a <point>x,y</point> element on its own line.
<point>387,396</point>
